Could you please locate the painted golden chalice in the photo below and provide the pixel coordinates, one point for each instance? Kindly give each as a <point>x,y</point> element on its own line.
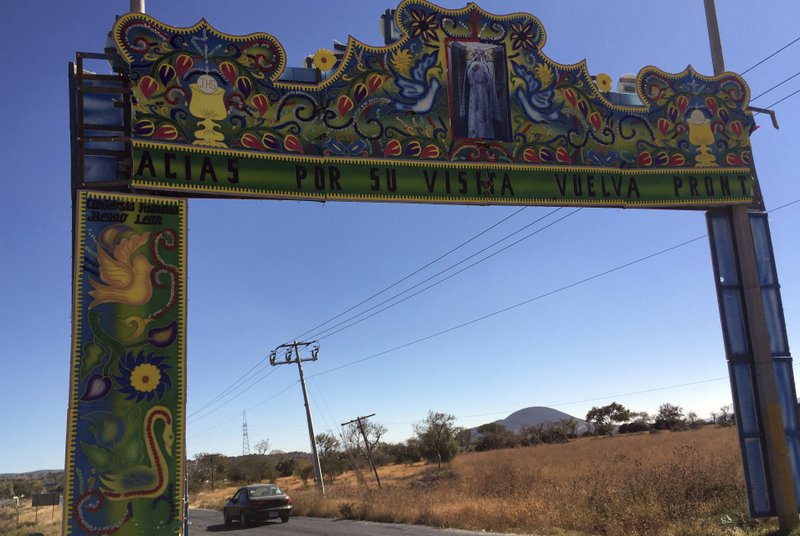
<point>208,105</point>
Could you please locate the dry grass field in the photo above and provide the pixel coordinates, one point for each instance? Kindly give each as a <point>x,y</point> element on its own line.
<point>664,484</point>
<point>47,521</point>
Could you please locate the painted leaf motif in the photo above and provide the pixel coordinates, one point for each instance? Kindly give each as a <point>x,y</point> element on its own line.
<point>530,155</point>
<point>374,81</point>
<point>413,149</point>
<point>166,73</point>
<point>662,158</point>
<point>228,71</point>
<point>583,107</point>
<point>711,104</point>
<point>183,63</point>
<point>664,126</point>
<point>165,132</point>
<point>563,156</point>
<point>144,127</point>
<point>292,144</point>
<point>683,103</point>
<point>271,142</point>
<point>595,120</point>
<point>570,96</point>
<point>546,154</point>
<point>736,126</point>
<point>430,151</point>
<point>673,113</point>
<point>261,102</point>
<point>344,104</point>
<point>251,141</point>
<point>244,85</point>
<point>163,336</point>
<point>677,160</point>
<point>734,160</point>
<point>99,458</point>
<point>723,114</point>
<point>148,86</point>
<point>359,92</point>
<point>335,146</point>
<point>393,148</point>
<point>644,159</point>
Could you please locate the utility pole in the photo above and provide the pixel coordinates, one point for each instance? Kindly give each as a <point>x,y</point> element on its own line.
<point>776,451</point>
<point>291,354</point>
<point>366,442</point>
<point>212,471</point>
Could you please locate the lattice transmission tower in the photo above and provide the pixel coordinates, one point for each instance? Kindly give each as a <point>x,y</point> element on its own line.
<point>245,438</point>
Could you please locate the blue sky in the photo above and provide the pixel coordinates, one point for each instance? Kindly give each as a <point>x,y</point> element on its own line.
<point>263,272</point>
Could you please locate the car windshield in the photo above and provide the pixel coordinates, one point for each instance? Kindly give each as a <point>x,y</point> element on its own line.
<point>264,491</point>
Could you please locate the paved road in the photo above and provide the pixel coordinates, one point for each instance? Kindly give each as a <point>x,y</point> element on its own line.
<point>205,521</point>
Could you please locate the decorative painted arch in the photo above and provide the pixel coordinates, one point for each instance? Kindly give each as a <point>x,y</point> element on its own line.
<point>220,114</point>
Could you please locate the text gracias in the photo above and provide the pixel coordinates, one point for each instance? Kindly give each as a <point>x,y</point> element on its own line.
<point>321,178</point>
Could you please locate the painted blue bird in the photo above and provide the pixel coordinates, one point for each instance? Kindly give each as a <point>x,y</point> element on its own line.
<point>537,102</point>
<point>416,93</point>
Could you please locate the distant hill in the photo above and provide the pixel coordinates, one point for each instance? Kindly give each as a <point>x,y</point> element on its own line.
<point>536,415</point>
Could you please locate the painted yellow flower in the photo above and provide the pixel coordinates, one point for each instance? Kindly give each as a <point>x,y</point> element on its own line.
<point>324,59</point>
<point>603,82</point>
<point>145,377</point>
<point>402,60</point>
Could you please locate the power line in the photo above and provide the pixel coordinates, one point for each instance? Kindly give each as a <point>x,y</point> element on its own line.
<point>783,99</point>
<point>541,296</point>
<point>415,272</point>
<point>239,382</point>
<point>495,313</point>
<point>328,332</point>
<point>248,409</point>
<point>770,56</point>
<point>234,397</point>
<point>226,390</point>
<point>774,87</point>
<point>511,307</point>
<point>449,276</point>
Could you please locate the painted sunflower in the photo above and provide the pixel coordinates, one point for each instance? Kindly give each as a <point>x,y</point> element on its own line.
<point>522,35</point>
<point>424,25</point>
<point>143,376</point>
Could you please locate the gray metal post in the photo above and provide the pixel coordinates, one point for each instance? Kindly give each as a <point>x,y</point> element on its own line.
<point>312,436</point>
<point>776,448</point>
<point>137,6</point>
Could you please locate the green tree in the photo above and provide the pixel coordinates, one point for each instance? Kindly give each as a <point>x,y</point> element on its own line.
<point>262,447</point>
<point>251,468</point>
<point>436,436</point>
<point>604,418</point>
<point>207,469</point>
<point>331,458</point>
<point>669,417</point>
<point>495,436</point>
<point>305,472</point>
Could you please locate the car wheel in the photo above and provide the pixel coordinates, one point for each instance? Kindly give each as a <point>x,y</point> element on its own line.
<point>227,518</point>
<point>242,520</point>
<point>284,518</point>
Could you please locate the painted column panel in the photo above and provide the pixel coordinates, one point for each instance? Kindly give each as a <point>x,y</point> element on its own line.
<point>125,427</point>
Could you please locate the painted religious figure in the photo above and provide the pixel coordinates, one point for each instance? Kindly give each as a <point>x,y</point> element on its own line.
<point>478,83</point>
